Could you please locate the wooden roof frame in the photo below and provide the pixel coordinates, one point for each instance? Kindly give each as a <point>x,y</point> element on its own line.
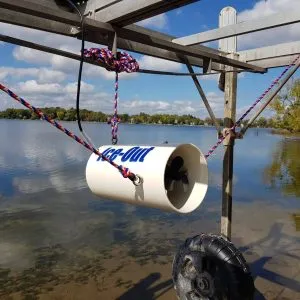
<point>33,14</point>
<point>118,16</point>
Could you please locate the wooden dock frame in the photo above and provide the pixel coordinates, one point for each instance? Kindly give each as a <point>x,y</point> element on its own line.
<point>228,17</point>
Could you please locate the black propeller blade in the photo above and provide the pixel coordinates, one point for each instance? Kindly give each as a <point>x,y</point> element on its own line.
<point>173,172</point>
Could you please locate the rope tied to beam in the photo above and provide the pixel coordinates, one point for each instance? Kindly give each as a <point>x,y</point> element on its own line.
<point>121,62</point>
<point>262,96</point>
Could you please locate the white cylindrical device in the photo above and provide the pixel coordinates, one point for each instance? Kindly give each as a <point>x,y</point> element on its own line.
<point>174,178</point>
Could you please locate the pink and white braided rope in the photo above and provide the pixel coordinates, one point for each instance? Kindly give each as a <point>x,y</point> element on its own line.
<point>123,62</point>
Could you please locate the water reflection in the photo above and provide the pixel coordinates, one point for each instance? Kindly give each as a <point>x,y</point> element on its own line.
<point>56,235</point>
<point>284,171</point>
<point>296,218</point>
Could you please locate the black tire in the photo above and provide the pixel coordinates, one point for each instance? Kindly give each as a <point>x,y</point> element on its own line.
<point>208,267</point>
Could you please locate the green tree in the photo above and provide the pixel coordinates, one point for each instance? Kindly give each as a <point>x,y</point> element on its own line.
<point>70,115</point>
<point>287,107</point>
<point>88,115</point>
<point>60,114</point>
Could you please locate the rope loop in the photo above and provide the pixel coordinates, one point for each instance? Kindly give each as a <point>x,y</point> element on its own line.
<point>122,62</point>
<point>114,140</point>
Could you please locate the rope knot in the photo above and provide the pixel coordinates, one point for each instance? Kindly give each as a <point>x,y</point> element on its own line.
<point>124,171</point>
<point>122,62</point>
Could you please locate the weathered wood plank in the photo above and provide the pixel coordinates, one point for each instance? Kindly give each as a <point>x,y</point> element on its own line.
<point>276,20</point>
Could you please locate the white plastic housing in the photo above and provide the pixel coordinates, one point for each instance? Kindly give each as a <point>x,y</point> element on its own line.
<point>150,163</point>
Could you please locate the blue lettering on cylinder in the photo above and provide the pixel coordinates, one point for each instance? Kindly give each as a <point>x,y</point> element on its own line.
<point>135,154</point>
<point>103,153</point>
<point>129,153</point>
<point>145,153</point>
<point>111,151</point>
<point>115,154</point>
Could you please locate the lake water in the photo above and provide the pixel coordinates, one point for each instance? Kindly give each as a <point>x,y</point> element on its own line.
<point>59,241</point>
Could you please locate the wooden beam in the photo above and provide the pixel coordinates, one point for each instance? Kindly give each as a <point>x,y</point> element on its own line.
<point>92,6</point>
<point>46,49</point>
<point>203,97</point>
<point>167,37</point>
<point>126,12</point>
<point>147,50</point>
<point>24,20</point>
<point>227,17</point>
<point>275,20</point>
<point>56,4</point>
<point>77,57</point>
<point>276,62</point>
<point>105,28</point>
<point>272,95</point>
<point>279,50</point>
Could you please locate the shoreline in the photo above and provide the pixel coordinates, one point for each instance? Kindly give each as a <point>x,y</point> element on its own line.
<point>284,132</point>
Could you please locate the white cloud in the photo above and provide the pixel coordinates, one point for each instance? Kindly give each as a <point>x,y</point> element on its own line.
<point>31,56</point>
<point>273,36</point>
<point>48,75</point>
<point>155,107</point>
<point>32,87</point>
<point>216,101</point>
<point>154,63</point>
<point>84,87</point>
<point>43,75</point>
<point>55,94</point>
<point>159,21</point>
<point>64,64</point>
<point>45,96</point>
<point>179,107</point>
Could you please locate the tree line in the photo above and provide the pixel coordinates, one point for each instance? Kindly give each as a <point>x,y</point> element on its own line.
<point>63,114</point>
<point>286,108</point>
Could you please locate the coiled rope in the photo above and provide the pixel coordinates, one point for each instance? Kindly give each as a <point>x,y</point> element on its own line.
<point>123,62</point>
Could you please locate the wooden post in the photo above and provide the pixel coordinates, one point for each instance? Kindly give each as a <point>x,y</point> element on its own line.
<point>228,17</point>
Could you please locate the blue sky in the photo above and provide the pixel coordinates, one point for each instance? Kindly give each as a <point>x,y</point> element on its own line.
<point>47,80</point>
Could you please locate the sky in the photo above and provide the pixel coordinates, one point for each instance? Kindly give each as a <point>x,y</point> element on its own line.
<point>49,80</point>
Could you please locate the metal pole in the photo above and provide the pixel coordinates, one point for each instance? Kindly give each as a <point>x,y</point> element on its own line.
<point>272,95</point>
<point>202,94</point>
<point>228,17</point>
